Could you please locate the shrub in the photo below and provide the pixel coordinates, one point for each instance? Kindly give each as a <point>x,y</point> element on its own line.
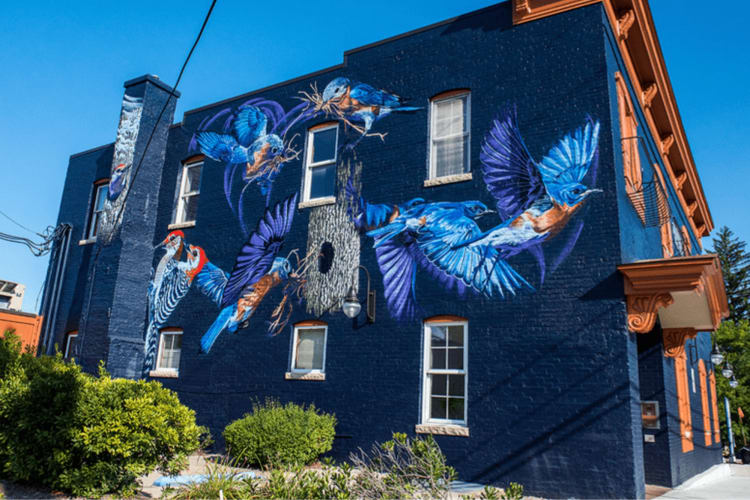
<point>403,468</point>
<point>88,436</point>
<point>280,435</point>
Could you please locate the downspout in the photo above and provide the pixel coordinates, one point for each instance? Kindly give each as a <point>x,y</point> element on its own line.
<point>56,290</point>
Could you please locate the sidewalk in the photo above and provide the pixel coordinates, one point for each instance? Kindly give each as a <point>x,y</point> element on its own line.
<point>723,481</point>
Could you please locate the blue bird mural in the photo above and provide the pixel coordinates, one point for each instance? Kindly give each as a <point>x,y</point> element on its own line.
<point>249,144</point>
<point>358,105</point>
<point>535,200</point>
<point>256,271</point>
<point>171,282</point>
<point>429,236</point>
<point>368,216</point>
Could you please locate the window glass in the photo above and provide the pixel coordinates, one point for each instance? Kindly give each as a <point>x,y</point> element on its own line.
<point>71,346</point>
<point>190,186</point>
<point>322,181</point>
<point>449,150</point>
<point>324,145</point>
<point>171,347</point>
<point>320,169</point>
<point>310,348</point>
<point>445,374</point>
<point>100,196</point>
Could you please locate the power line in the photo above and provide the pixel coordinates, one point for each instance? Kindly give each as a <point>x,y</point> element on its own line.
<point>18,223</point>
<point>161,113</point>
<point>82,327</point>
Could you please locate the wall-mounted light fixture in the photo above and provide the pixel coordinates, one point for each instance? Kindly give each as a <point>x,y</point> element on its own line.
<point>716,356</point>
<point>352,306</point>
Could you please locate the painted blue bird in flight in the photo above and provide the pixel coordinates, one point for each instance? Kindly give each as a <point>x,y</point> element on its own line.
<point>256,271</point>
<point>429,235</point>
<point>249,143</point>
<point>358,103</point>
<point>367,216</point>
<point>535,199</point>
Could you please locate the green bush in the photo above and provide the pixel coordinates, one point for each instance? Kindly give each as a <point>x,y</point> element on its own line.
<point>275,434</point>
<point>84,435</point>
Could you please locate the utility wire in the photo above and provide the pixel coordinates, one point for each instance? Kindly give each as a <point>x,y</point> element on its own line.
<point>92,278</point>
<point>18,223</point>
<point>161,113</point>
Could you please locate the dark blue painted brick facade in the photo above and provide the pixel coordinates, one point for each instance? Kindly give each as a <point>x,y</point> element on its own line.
<point>553,393</point>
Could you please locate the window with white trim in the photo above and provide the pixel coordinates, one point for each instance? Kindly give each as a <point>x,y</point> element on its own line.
<point>71,345</point>
<point>309,349</point>
<point>170,347</point>
<point>450,135</point>
<point>444,379</point>
<point>320,162</point>
<point>100,194</point>
<point>190,190</point>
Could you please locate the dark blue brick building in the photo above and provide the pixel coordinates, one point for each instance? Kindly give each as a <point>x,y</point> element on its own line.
<point>530,219</point>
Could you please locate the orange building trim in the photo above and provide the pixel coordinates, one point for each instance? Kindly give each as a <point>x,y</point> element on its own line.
<point>649,285</point>
<point>712,380</point>
<point>25,325</point>
<point>683,402</point>
<point>704,403</point>
<point>639,47</point>
<point>445,318</point>
<point>311,322</point>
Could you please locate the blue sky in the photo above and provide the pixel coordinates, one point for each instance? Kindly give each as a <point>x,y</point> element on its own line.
<point>64,64</point>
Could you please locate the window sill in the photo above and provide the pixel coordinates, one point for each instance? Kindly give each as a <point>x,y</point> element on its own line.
<point>163,374</point>
<point>305,376</point>
<point>448,179</point>
<point>317,202</point>
<point>181,225</point>
<point>88,241</point>
<point>442,430</point>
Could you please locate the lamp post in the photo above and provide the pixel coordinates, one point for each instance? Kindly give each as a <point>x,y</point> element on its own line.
<point>351,306</point>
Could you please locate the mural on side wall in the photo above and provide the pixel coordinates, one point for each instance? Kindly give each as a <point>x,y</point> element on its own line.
<point>170,283</point>
<point>251,141</point>
<point>357,105</point>
<point>333,238</point>
<point>257,270</point>
<point>122,163</point>
<point>534,201</point>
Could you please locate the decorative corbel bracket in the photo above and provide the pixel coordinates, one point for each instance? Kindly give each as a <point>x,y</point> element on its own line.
<point>624,23</point>
<point>647,96</point>
<point>643,310</point>
<point>674,340</point>
<point>666,144</point>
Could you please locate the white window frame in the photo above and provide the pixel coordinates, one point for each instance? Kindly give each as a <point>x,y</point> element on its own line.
<point>159,354</point>
<point>309,165</point>
<point>68,341</point>
<point>180,215</point>
<point>427,371</point>
<point>93,228</point>
<point>467,125</point>
<point>295,341</point>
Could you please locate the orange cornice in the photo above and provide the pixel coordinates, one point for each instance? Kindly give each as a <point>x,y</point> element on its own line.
<point>649,284</point>
<point>638,44</point>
